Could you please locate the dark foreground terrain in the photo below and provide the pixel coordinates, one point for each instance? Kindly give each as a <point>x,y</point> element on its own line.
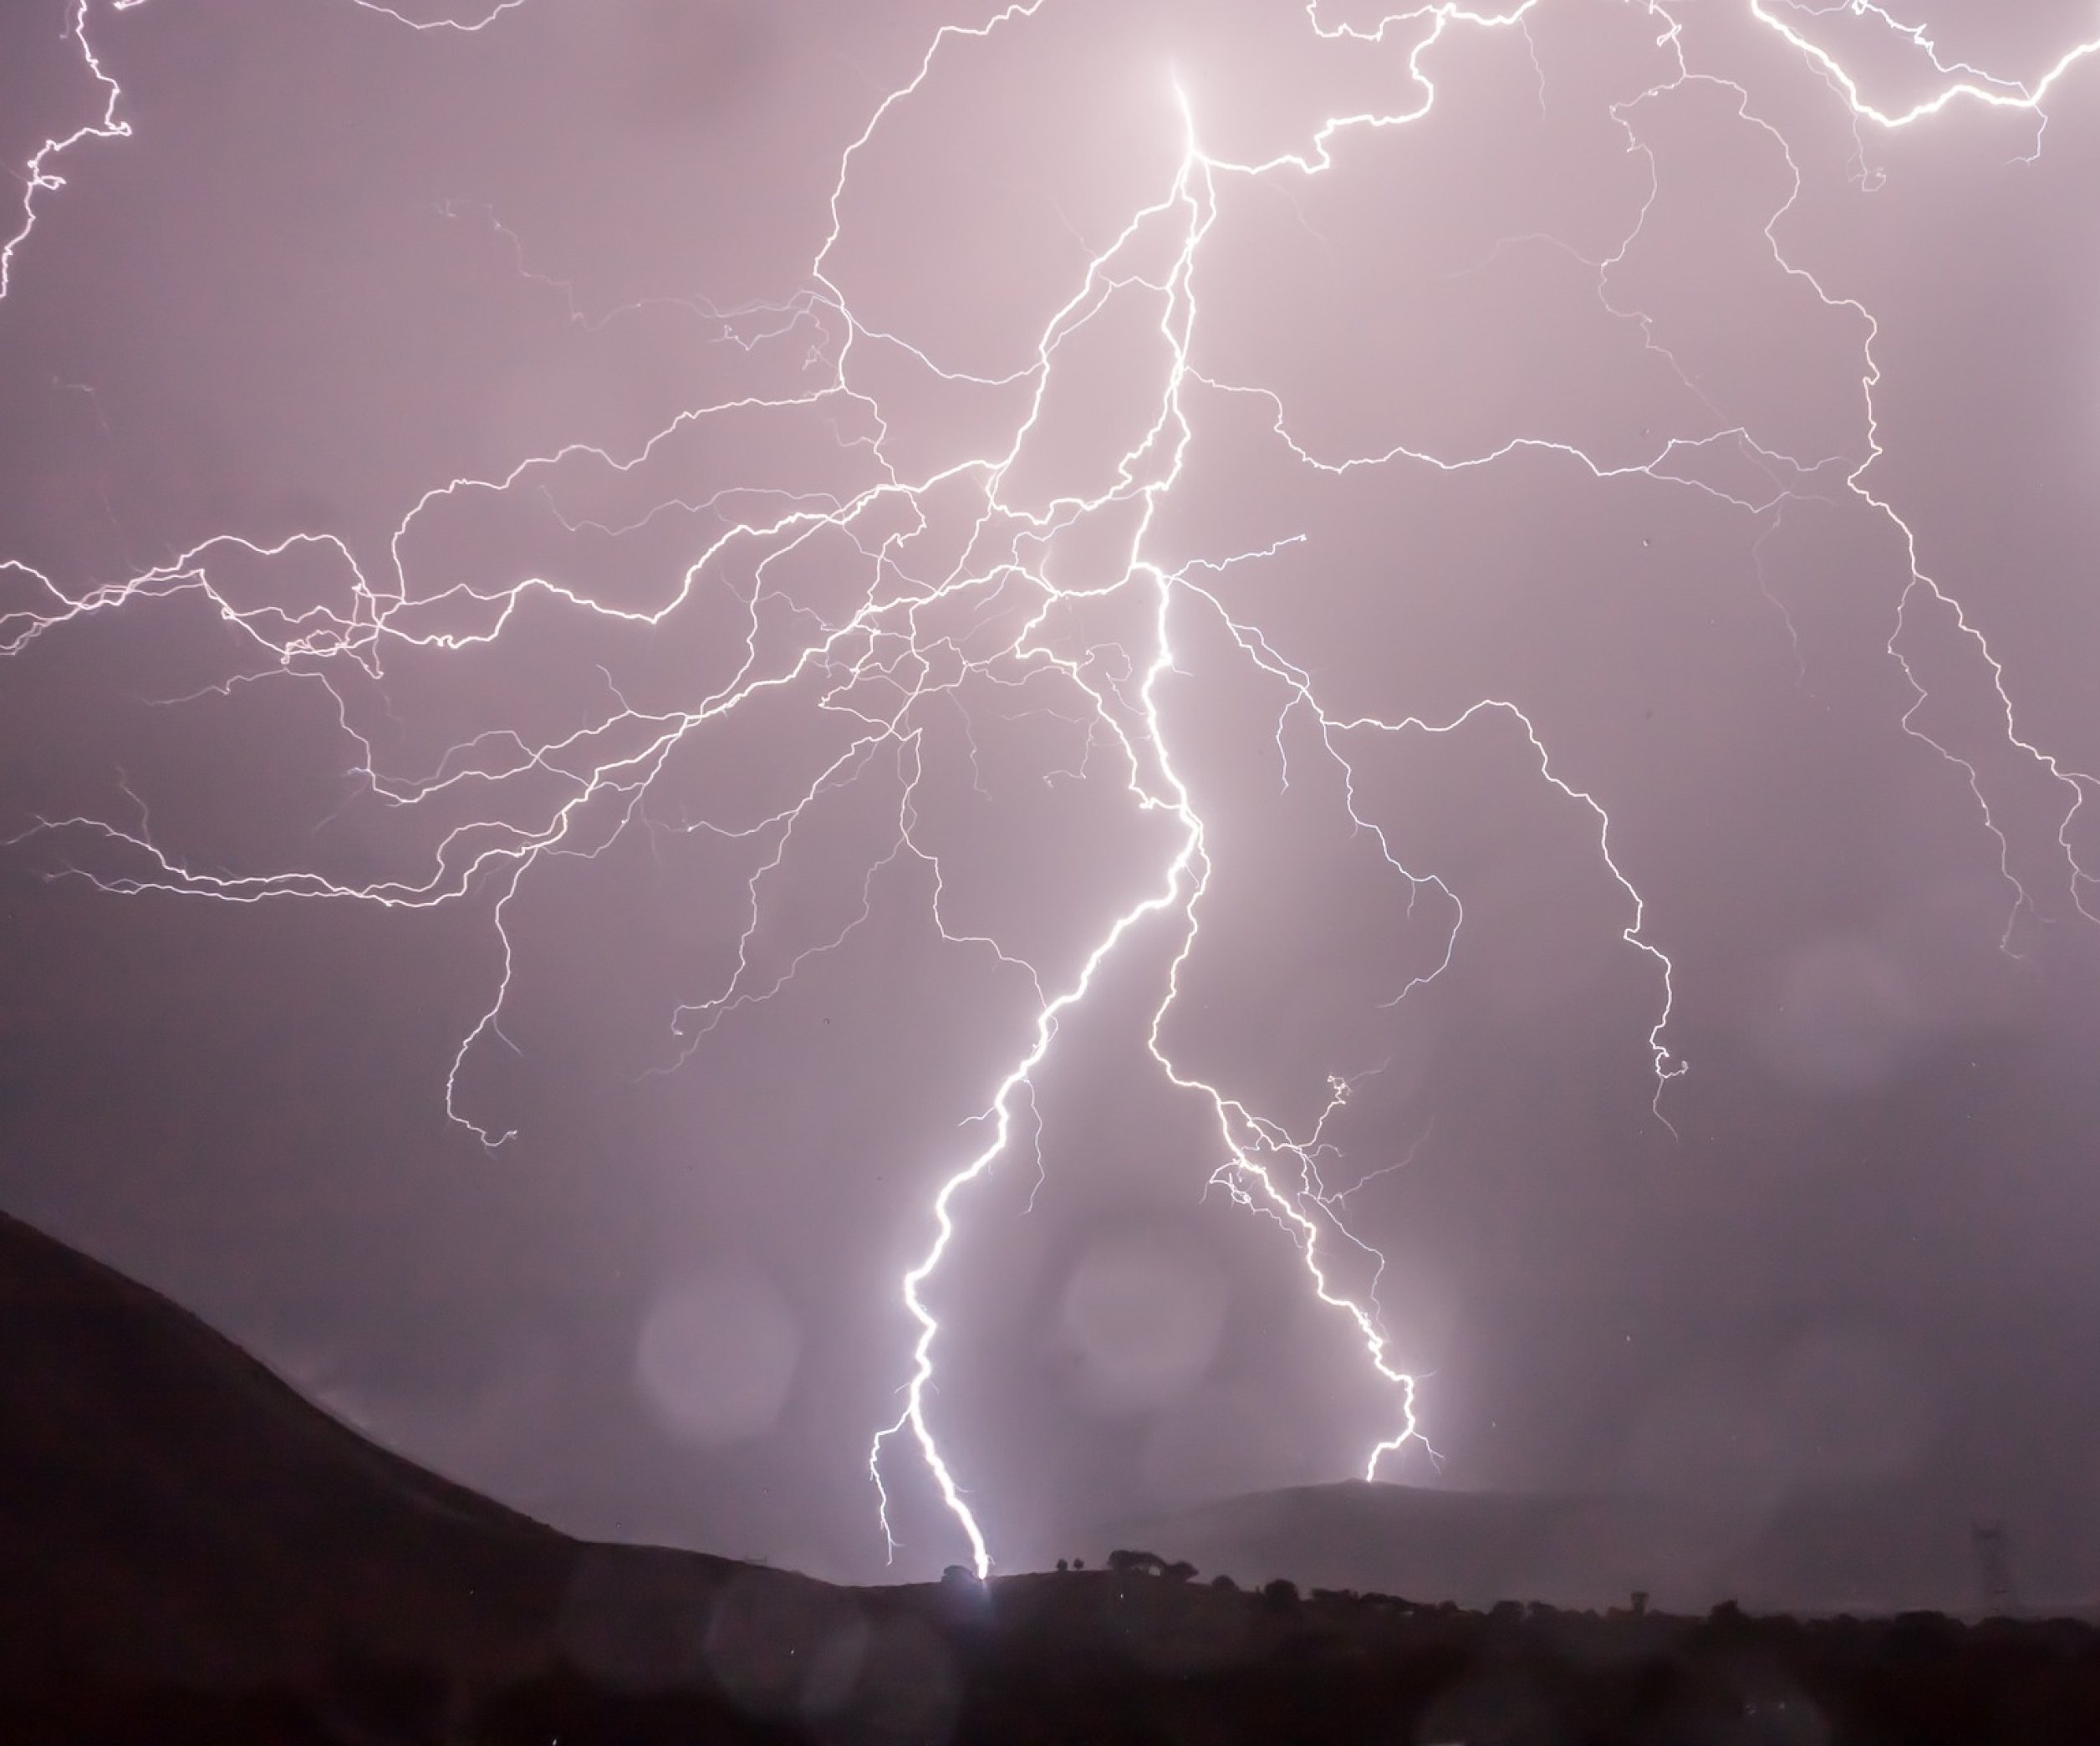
<point>1091,1657</point>
<point>190,1552</point>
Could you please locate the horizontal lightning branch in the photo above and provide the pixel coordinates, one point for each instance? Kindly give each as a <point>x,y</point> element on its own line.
<point>922,641</point>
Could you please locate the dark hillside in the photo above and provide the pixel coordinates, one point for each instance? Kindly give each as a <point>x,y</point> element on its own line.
<point>175,1507</point>
<point>192,1552</point>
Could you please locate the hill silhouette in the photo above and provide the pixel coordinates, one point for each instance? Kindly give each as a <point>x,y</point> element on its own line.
<point>1863,1548</point>
<point>176,1510</point>
<point>195,1553</point>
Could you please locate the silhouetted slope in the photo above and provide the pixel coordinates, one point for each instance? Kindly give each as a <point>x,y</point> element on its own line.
<point>173,1514</point>
<point>169,1506</point>
<point>174,1518</point>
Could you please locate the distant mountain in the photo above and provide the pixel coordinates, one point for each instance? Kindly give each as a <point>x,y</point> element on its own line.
<point>1875,1548</point>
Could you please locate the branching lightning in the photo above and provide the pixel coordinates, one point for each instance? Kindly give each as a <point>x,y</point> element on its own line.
<point>40,174</point>
<point>896,663</point>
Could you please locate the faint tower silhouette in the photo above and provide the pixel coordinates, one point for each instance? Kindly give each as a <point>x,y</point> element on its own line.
<point>1994,1568</point>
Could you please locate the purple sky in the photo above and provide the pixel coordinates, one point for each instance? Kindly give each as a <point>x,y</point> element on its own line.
<point>608,531</point>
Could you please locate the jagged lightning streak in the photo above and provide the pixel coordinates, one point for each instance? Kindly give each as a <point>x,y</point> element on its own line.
<point>889,660</point>
<point>1992,92</point>
<point>40,174</point>
<point>1248,1138</point>
<point>1978,87</point>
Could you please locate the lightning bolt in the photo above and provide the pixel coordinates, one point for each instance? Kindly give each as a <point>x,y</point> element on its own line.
<point>899,657</point>
<point>38,176</point>
<point>1965,84</point>
<point>41,177</point>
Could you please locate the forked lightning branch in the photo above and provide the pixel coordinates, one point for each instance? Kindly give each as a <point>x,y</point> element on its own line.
<point>893,662</point>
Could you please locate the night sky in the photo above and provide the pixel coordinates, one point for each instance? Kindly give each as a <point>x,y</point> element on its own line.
<point>655,583</point>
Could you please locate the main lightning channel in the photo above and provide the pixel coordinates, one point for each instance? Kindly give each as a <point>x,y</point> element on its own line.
<point>574,795</point>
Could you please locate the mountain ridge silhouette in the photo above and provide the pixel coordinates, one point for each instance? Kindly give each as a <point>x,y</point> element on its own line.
<point>171,1508</point>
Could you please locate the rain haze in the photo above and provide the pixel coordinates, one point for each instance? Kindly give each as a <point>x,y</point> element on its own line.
<point>1407,690</point>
